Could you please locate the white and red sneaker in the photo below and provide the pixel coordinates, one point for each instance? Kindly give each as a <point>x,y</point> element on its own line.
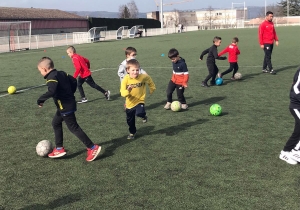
<point>93,153</point>
<point>56,153</point>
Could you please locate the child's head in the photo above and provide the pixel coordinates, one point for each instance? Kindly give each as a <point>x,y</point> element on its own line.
<point>235,40</point>
<point>217,41</point>
<point>174,55</point>
<point>133,68</point>
<point>45,65</point>
<point>70,51</point>
<point>130,53</point>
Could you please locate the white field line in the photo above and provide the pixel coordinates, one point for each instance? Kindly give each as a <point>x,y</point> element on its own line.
<point>33,87</point>
<point>162,67</point>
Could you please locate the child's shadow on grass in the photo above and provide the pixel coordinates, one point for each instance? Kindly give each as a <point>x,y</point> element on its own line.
<point>118,142</point>
<point>160,104</point>
<point>208,101</point>
<point>63,201</point>
<point>174,130</point>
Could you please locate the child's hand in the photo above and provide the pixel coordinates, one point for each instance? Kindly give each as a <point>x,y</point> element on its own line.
<point>200,59</point>
<point>129,88</point>
<point>185,86</point>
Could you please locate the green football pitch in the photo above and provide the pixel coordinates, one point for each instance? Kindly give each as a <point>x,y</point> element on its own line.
<point>179,160</point>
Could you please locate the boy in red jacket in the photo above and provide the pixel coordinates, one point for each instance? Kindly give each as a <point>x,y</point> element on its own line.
<point>233,52</point>
<point>82,71</point>
<point>179,79</point>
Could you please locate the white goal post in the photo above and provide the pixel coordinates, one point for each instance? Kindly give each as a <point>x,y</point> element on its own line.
<point>135,30</point>
<point>122,32</point>
<point>15,36</point>
<point>97,33</point>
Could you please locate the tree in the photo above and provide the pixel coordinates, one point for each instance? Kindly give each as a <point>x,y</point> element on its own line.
<point>210,18</point>
<point>294,7</point>
<point>133,10</point>
<point>178,18</point>
<point>276,9</point>
<point>124,12</point>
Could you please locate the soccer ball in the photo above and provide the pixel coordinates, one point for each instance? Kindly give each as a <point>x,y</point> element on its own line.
<point>11,89</point>
<point>176,106</point>
<point>43,148</point>
<point>219,81</point>
<point>237,75</point>
<point>215,109</point>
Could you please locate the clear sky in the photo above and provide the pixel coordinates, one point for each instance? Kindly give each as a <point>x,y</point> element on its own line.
<point>113,5</point>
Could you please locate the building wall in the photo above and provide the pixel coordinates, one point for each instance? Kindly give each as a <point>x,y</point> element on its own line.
<point>203,17</point>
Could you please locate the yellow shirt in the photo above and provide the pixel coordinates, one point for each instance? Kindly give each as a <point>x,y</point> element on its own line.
<point>138,93</point>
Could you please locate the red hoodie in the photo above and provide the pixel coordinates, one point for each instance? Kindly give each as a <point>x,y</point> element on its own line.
<point>267,33</point>
<point>233,52</point>
<point>81,65</point>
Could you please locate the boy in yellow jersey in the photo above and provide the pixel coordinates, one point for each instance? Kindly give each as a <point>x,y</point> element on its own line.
<point>133,88</point>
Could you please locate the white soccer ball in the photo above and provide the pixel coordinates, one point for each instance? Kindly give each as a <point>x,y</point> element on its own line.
<point>43,148</point>
<point>237,75</point>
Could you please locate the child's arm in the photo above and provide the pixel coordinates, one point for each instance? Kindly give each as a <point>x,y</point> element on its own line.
<point>238,51</point>
<point>185,75</point>
<point>150,83</point>
<point>125,91</point>
<point>87,62</point>
<point>121,71</point>
<point>52,85</point>
<point>216,56</point>
<point>223,52</point>
<point>77,67</point>
<point>204,53</point>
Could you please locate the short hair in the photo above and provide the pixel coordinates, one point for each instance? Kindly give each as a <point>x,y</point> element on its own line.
<point>72,48</point>
<point>216,38</point>
<point>235,40</point>
<point>173,53</point>
<point>46,62</point>
<point>269,13</point>
<point>132,62</point>
<point>129,50</point>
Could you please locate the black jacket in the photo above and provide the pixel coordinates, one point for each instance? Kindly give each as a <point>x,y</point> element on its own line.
<point>295,91</point>
<point>61,87</point>
<point>212,55</point>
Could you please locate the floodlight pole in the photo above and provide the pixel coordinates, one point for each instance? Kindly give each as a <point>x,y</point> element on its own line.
<point>265,7</point>
<point>161,14</point>
<point>287,8</point>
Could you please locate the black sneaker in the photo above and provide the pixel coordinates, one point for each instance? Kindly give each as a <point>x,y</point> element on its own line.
<point>130,136</point>
<point>265,71</point>
<point>272,72</point>
<point>204,84</point>
<point>145,119</point>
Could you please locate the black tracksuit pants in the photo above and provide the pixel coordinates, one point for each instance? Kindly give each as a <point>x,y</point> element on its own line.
<point>139,111</point>
<point>89,80</point>
<point>268,48</point>
<point>212,73</point>
<point>179,90</point>
<point>294,140</point>
<point>70,120</point>
<point>232,66</point>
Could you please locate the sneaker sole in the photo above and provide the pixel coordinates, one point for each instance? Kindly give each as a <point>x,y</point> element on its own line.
<point>58,156</point>
<point>80,102</point>
<point>96,155</point>
<point>287,161</point>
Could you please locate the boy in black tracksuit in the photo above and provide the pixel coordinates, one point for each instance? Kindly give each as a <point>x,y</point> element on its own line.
<point>61,87</point>
<point>211,61</point>
<point>291,150</point>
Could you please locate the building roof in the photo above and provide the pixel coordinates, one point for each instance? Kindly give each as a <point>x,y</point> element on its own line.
<point>35,13</point>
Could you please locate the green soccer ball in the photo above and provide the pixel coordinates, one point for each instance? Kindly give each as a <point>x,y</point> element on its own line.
<point>215,109</point>
<point>176,106</point>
